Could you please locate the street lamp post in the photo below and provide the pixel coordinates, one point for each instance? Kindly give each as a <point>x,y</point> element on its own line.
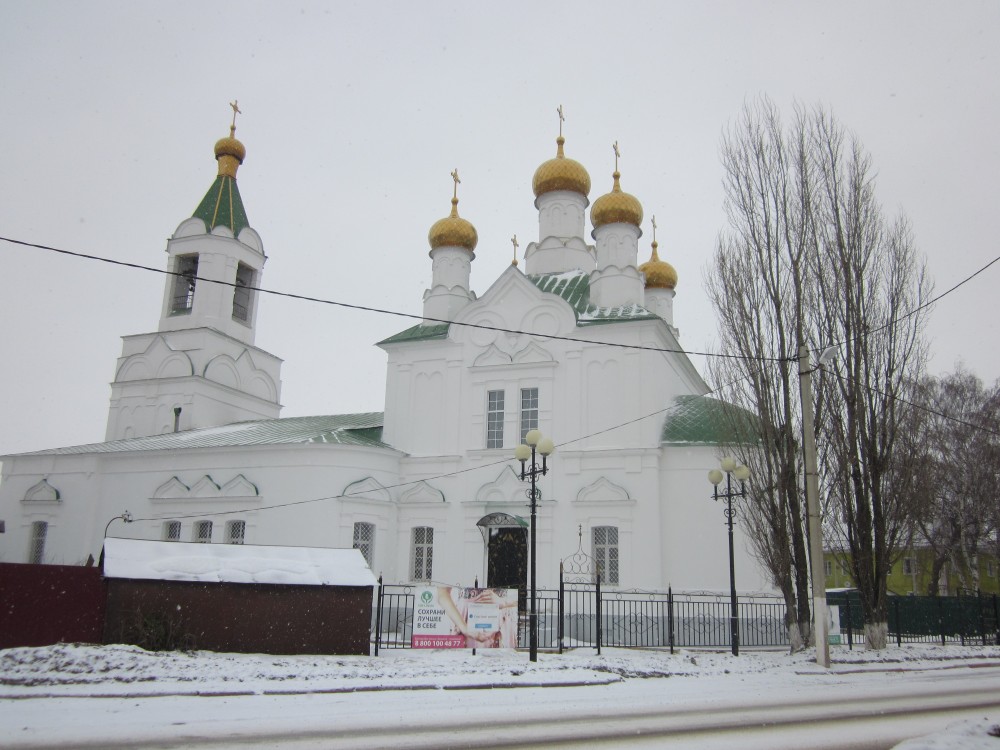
<point>742,473</point>
<point>534,444</point>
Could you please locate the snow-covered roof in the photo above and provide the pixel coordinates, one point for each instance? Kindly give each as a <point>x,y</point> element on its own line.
<point>234,563</point>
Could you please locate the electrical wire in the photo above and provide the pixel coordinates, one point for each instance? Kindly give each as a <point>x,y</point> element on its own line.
<point>366,308</point>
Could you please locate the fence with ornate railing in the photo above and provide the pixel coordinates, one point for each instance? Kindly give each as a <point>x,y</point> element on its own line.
<point>585,614</point>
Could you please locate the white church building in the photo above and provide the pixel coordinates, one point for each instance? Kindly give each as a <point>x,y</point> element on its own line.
<point>575,341</point>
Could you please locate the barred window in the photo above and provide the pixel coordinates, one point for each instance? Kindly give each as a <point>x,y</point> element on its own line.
<point>203,531</point>
<point>494,419</point>
<point>605,546</point>
<point>242,293</point>
<point>183,296</point>
<point>172,531</point>
<point>827,568</point>
<point>235,532</point>
<point>364,540</point>
<point>36,552</point>
<point>529,411</point>
<point>909,566</point>
<point>422,553</point>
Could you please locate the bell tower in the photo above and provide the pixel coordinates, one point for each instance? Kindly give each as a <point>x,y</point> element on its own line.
<point>202,359</point>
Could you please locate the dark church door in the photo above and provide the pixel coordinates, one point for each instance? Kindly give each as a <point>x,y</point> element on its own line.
<point>507,564</point>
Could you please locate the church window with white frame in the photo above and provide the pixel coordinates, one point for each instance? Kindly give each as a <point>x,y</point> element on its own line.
<point>171,531</point>
<point>494,419</point>
<point>422,553</point>
<point>529,411</point>
<point>36,552</point>
<point>236,532</point>
<point>605,547</point>
<point>186,271</point>
<point>203,532</point>
<point>364,540</point>
<point>243,293</point>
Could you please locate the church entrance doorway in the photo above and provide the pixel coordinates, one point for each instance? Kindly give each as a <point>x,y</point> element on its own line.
<point>506,538</point>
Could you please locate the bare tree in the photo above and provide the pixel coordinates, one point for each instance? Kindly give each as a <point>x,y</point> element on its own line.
<point>957,516</point>
<point>872,286</point>
<point>808,258</point>
<point>759,289</point>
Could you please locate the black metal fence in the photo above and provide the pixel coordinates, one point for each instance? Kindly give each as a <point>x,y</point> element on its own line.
<point>968,618</point>
<point>585,615</point>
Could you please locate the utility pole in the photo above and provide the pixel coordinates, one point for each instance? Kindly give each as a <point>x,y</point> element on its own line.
<point>812,508</point>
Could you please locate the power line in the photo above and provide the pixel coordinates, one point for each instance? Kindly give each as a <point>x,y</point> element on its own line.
<point>447,475</point>
<point>922,407</point>
<point>366,308</point>
<point>918,308</point>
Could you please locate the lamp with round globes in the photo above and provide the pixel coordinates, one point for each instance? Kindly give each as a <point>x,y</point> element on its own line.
<point>534,445</point>
<point>733,469</point>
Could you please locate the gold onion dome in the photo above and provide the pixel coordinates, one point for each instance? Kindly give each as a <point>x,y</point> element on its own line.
<point>453,231</point>
<point>616,207</point>
<point>230,153</point>
<point>560,173</point>
<point>659,273</point>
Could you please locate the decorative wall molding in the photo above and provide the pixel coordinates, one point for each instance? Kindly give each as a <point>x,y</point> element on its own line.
<point>421,492</point>
<point>603,491</point>
<point>367,489</point>
<point>42,492</point>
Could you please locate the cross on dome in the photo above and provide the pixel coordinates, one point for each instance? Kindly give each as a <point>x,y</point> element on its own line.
<point>236,111</point>
<point>562,118</point>
<point>513,241</point>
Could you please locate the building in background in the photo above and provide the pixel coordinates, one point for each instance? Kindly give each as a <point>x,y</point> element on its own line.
<point>913,573</point>
<point>579,342</point>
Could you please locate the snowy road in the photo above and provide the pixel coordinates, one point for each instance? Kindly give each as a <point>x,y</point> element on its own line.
<point>787,710</point>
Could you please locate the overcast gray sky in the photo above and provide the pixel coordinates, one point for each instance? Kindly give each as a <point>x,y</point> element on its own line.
<point>354,115</point>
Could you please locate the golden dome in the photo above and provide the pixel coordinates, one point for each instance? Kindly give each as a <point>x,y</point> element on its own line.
<point>230,153</point>
<point>560,173</point>
<point>616,207</point>
<point>453,231</point>
<point>659,273</point>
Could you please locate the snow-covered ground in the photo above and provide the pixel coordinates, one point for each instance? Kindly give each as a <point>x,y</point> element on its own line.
<point>36,683</point>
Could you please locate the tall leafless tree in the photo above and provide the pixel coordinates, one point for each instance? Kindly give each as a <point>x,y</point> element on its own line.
<point>759,288</point>
<point>809,259</point>
<point>872,286</point>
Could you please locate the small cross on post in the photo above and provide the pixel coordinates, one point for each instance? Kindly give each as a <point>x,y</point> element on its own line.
<point>454,176</point>
<point>617,154</point>
<point>513,241</point>
<point>562,118</point>
<point>236,110</point>
<point>654,228</point>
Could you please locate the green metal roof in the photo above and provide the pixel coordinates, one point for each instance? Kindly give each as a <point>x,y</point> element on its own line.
<point>572,286</point>
<point>702,420</point>
<point>223,206</point>
<point>341,429</point>
<point>419,332</point>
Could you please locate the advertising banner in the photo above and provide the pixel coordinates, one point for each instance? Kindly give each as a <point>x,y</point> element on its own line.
<point>453,617</point>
